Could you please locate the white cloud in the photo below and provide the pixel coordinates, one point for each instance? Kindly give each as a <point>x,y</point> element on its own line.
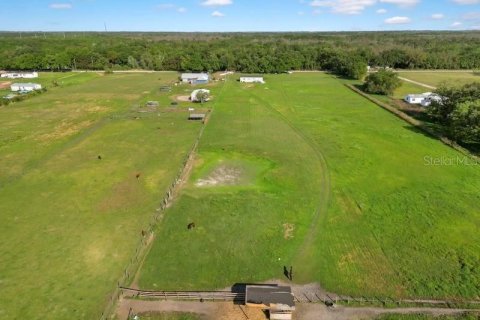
<point>456,24</point>
<point>438,16</point>
<point>402,3</point>
<point>61,6</point>
<point>471,16</point>
<point>398,20</point>
<point>475,27</point>
<point>344,6</point>
<point>164,6</point>
<point>182,10</point>
<point>217,14</point>
<point>381,11</point>
<point>213,3</point>
<point>466,1</point>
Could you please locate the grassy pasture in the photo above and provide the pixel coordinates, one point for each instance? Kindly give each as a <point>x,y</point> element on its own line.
<point>71,222</point>
<point>242,229</point>
<point>395,225</point>
<point>436,78</point>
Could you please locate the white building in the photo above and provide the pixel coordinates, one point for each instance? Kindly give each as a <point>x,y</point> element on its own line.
<point>432,98</point>
<point>25,87</point>
<point>252,79</point>
<point>417,98</point>
<point>193,96</point>
<point>18,75</point>
<point>195,78</point>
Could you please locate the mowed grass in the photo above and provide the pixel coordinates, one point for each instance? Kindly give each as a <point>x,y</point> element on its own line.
<point>394,225</point>
<point>70,221</point>
<point>242,229</point>
<point>437,78</point>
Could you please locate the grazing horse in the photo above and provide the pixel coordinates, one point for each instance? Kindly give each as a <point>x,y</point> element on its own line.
<point>191,225</point>
<point>138,175</point>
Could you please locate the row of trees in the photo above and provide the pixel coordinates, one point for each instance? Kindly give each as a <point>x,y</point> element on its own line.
<point>458,112</point>
<point>345,53</point>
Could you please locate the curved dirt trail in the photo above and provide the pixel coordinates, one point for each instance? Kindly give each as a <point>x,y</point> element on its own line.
<point>301,258</point>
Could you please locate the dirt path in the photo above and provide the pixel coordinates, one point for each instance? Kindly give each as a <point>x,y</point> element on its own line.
<point>324,196</point>
<point>318,311</point>
<point>418,83</point>
<point>304,311</point>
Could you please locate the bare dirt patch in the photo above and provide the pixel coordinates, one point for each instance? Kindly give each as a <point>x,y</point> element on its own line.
<point>182,98</point>
<point>4,85</point>
<point>288,229</point>
<point>223,175</point>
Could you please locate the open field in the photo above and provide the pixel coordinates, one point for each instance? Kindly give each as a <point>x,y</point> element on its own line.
<point>435,78</point>
<point>253,195</point>
<point>395,225</point>
<point>169,316</point>
<point>71,221</point>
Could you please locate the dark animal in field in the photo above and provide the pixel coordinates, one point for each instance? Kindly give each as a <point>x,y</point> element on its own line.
<point>99,157</point>
<point>144,233</point>
<point>191,226</point>
<point>138,175</point>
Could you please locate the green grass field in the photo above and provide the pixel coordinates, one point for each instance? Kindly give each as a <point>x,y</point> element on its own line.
<point>436,78</point>
<point>71,222</point>
<point>170,316</point>
<point>394,225</point>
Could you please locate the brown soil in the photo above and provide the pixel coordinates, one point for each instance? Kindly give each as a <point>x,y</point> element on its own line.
<point>288,230</point>
<point>4,85</point>
<point>182,98</point>
<point>222,176</point>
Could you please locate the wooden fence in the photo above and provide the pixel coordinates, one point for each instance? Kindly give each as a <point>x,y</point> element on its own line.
<point>147,237</point>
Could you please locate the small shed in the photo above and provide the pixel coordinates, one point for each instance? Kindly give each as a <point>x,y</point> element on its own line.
<point>197,116</point>
<point>25,87</point>
<point>278,300</point>
<point>195,78</point>
<point>252,79</point>
<point>152,104</point>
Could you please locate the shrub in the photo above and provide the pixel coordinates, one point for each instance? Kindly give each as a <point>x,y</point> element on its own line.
<point>382,82</point>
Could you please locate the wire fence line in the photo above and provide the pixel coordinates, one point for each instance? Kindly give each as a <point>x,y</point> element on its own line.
<point>147,235</point>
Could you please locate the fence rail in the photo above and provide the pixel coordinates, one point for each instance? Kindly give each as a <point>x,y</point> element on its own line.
<point>147,236</point>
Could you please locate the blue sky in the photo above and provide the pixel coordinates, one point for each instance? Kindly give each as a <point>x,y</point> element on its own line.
<point>239,15</point>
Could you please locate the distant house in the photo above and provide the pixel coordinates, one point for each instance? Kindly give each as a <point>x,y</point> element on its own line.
<point>193,96</point>
<point>417,98</point>
<point>195,78</point>
<point>25,87</point>
<point>252,79</point>
<point>18,75</point>
<point>278,300</point>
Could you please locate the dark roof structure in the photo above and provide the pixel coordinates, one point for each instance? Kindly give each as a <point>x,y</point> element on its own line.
<point>269,295</point>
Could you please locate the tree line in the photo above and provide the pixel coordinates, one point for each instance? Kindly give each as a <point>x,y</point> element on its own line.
<point>347,54</point>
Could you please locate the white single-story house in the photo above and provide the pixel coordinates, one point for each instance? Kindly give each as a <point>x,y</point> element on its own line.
<point>17,75</point>
<point>252,79</point>
<point>193,96</point>
<point>432,98</point>
<point>26,87</point>
<point>195,78</point>
<point>417,98</point>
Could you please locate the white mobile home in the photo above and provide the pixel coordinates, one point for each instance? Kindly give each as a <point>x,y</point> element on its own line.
<point>252,79</point>
<point>25,87</point>
<point>417,98</point>
<point>18,75</point>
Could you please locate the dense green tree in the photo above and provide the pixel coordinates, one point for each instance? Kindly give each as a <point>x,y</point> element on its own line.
<point>382,82</point>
